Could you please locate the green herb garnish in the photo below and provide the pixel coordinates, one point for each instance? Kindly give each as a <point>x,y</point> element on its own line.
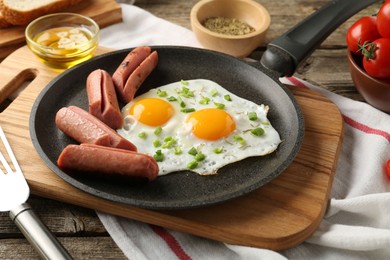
<point>159,156</point>
<point>227,98</point>
<point>192,165</point>
<point>218,150</point>
<point>161,93</point>
<point>239,139</point>
<point>171,99</point>
<point>252,116</point>
<point>204,101</point>
<point>158,130</point>
<point>219,105</point>
<point>169,142</point>
<point>187,110</point>
<point>181,102</point>
<point>257,131</point>
<point>157,143</point>
<point>184,82</point>
<point>142,135</point>
<point>193,151</point>
<point>200,156</point>
<point>186,92</point>
<point>177,150</point>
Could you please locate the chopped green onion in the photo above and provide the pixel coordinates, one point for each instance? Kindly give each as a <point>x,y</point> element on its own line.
<point>213,92</point>
<point>192,165</point>
<point>200,156</point>
<point>157,143</point>
<point>265,123</point>
<point>169,142</point>
<point>181,102</point>
<point>218,150</point>
<point>168,138</point>
<point>257,131</point>
<point>227,98</point>
<point>184,82</point>
<point>239,139</point>
<point>171,99</point>
<point>158,130</point>
<point>177,150</point>
<point>252,116</point>
<point>186,92</point>
<point>188,110</point>
<point>161,93</point>
<point>142,135</point>
<point>204,101</point>
<point>193,151</point>
<point>219,105</point>
<point>159,156</point>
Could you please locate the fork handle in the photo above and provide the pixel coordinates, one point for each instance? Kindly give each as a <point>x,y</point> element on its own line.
<point>39,236</point>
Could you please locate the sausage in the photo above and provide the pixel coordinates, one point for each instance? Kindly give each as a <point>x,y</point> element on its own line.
<point>85,128</point>
<point>102,99</point>
<point>139,75</point>
<point>134,63</point>
<point>108,161</point>
<point>128,65</point>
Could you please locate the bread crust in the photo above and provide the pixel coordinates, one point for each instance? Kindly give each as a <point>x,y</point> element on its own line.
<point>20,17</point>
<point>3,22</point>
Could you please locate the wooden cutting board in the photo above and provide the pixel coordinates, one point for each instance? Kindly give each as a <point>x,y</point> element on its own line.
<point>104,12</point>
<point>278,216</point>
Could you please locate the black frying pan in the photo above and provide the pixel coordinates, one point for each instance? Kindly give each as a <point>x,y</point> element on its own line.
<point>253,81</point>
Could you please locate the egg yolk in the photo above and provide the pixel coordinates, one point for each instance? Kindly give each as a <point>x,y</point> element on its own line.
<point>152,111</point>
<point>211,124</point>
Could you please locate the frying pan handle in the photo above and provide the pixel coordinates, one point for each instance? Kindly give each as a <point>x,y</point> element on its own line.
<point>284,54</point>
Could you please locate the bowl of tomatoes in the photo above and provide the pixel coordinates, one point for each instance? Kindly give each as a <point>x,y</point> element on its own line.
<point>368,41</point>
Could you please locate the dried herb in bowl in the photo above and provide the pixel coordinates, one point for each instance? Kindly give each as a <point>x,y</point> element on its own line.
<point>228,26</point>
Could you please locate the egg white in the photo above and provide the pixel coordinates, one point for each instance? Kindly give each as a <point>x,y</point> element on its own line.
<point>177,128</point>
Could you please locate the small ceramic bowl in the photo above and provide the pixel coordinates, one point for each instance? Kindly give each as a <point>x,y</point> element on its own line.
<point>62,40</point>
<point>376,92</point>
<point>247,11</point>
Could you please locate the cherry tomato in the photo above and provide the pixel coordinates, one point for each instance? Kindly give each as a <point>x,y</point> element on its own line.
<point>363,30</point>
<point>376,60</point>
<point>387,167</point>
<point>383,20</point>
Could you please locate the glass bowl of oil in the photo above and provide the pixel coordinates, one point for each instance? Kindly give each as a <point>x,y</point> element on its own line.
<point>62,40</point>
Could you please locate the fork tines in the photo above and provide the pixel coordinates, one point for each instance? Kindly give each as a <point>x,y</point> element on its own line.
<point>10,155</point>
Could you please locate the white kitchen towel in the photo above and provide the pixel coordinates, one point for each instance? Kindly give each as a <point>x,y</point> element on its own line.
<point>357,223</point>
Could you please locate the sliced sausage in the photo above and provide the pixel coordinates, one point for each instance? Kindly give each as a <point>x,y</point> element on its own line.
<point>128,65</point>
<point>102,99</point>
<point>109,161</point>
<point>85,128</point>
<point>139,75</point>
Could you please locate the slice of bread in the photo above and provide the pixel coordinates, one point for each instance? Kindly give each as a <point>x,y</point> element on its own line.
<point>21,12</point>
<point>3,22</point>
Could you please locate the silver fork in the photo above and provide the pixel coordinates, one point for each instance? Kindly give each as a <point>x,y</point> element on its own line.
<point>14,192</point>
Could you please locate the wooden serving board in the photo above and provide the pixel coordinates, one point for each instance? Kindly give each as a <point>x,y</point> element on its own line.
<point>278,216</point>
<point>104,12</point>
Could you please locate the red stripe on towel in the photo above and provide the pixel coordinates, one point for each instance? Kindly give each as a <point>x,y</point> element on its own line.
<point>365,128</point>
<point>296,82</point>
<point>359,126</point>
<point>171,242</point>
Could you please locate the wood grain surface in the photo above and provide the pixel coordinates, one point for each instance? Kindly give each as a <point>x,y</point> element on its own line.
<point>79,229</point>
<point>297,198</point>
<point>104,12</point>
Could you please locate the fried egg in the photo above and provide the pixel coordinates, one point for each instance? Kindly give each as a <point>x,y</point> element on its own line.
<point>197,125</point>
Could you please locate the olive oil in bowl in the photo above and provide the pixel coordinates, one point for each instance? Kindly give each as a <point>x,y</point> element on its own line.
<point>65,42</point>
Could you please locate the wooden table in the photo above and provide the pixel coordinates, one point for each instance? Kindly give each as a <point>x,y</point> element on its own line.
<point>80,230</point>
